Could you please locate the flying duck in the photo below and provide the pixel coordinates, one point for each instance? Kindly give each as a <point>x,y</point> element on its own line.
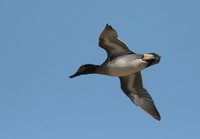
<point>127,65</point>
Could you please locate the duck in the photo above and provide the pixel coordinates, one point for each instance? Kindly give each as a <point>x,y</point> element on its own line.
<point>127,65</point>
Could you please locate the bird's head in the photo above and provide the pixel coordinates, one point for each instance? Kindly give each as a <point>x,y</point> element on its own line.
<point>85,69</point>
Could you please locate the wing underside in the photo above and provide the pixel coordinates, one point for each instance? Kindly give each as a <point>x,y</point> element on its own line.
<point>109,41</point>
<point>133,87</point>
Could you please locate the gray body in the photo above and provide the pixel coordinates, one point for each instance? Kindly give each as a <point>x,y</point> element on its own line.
<point>123,65</point>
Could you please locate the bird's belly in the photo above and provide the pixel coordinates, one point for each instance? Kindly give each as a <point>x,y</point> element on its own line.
<point>119,71</point>
<point>124,68</point>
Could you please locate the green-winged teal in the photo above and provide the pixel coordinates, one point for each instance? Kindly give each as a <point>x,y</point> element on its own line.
<point>126,65</point>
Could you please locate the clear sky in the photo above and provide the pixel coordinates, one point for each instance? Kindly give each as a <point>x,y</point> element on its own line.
<point>43,42</point>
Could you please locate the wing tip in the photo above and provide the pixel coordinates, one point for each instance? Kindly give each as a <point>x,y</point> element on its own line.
<point>154,114</point>
<point>157,117</point>
<point>108,26</point>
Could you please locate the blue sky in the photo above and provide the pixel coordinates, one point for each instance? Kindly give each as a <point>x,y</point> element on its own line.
<point>42,42</point>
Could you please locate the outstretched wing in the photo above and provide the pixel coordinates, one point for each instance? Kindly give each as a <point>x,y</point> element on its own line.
<point>109,41</point>
<point>133,87</point>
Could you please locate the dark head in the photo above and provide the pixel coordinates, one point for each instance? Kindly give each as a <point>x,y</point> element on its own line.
<point>85,69</point>
<point>151,58</point>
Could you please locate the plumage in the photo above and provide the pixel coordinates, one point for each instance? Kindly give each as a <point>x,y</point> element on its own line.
<point>110,41</point>
<point>133,87</point>
<point>126,65</point>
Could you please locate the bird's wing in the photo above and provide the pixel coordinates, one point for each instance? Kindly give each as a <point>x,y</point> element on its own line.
<point>133,87</point>
<point>109,41</point>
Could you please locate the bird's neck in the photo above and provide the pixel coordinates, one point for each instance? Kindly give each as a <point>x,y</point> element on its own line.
<point>91,68</point>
